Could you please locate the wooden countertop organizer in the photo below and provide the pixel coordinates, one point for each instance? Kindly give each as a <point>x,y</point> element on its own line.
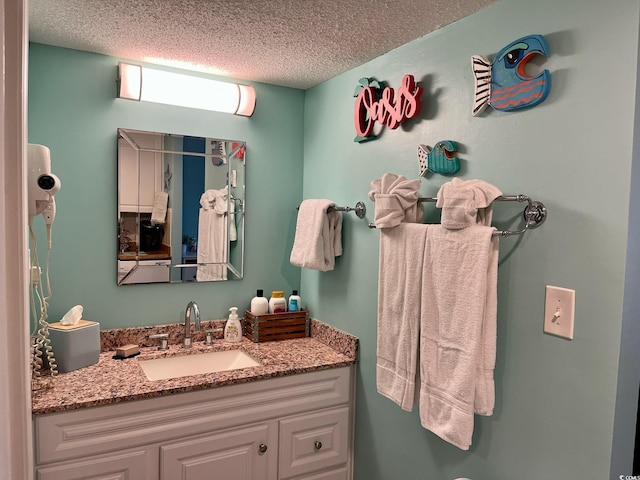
<point>276,326</point>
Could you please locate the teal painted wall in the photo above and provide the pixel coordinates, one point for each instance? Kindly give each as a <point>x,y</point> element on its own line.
<point>556,399</point>
<point>73,110</point>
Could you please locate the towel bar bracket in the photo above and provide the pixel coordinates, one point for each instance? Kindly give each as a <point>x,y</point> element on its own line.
<point>360,209</point>
<point>535,214</point>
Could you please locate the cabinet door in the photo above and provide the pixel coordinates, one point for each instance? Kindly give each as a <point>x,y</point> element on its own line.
<point>117,466</point>
<point>247,453</point>
<point>314,441</point>
<point>139,176</point>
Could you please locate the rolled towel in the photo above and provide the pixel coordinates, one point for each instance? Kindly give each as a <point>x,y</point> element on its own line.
<point>396,200</point>
<point>466,203</point>
<point>318,236</point>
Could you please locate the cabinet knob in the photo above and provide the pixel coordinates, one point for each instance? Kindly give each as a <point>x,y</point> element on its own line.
<point>317,445</point>
<point>262,448</point>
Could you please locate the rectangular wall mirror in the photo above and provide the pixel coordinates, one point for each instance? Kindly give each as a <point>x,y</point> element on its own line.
<point>181,203</point>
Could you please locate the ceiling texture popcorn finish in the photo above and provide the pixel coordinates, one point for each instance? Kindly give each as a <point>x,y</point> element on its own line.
<point>293,43</point>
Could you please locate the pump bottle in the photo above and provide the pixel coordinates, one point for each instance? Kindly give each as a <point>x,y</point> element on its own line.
<point>233,327</point>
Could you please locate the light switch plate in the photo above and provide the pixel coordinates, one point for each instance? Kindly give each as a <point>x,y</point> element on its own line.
<point>559,311</point>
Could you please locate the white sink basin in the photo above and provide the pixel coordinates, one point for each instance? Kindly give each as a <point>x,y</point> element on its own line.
<point>185,365</point>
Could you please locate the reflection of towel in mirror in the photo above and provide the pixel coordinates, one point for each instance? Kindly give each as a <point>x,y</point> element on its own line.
<point>318,236</point>
<point>396,200</point>
<point>159,211</point>
<point>218,200</point>
<point>212,236</point>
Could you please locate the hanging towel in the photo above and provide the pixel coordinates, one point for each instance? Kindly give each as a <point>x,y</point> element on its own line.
<point>318,235</point>
<point>457,330</point>
<point>396,200</point>
<point>399,287</point>
<point>439,285</point>
<point>212,236</point>
<point>469,203</point>
<point>159,210</point>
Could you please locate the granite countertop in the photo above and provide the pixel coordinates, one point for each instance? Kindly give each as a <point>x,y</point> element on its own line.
<point>114,381</point>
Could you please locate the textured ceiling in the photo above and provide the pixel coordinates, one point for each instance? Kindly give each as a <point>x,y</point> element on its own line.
<point>294,43</point>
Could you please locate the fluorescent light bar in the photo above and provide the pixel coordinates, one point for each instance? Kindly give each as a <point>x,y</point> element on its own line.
<point>146,84</point>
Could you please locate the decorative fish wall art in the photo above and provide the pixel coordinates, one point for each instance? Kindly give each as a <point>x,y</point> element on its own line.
<point>440,159</point>
<point>504,84</point>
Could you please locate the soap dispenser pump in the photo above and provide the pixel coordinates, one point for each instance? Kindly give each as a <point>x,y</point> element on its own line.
<point>233,327</point>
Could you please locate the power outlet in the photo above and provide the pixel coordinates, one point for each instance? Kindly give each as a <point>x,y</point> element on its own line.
<point>559,311</point>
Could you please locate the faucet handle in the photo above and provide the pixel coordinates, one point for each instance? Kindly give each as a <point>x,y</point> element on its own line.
<point>208,335</point>
<point>164,340</point>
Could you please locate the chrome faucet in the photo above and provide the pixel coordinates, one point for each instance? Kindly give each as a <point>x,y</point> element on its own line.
<point>186,343</point>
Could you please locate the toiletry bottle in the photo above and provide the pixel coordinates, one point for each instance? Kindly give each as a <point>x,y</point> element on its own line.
<point>293,305</point>
<point>233,327</point>
<point>277,303</point>
<point>259,304</point>
<point>294,296</point>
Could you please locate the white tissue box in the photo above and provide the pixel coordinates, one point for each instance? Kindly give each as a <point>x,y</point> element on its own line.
<point>75,346</point>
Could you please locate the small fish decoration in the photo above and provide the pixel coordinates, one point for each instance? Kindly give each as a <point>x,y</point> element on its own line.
<point>441,159</point>
<point>503,83</point>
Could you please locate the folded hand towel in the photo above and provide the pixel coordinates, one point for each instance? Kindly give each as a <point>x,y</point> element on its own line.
<point>466,203</point>
<point>159,211</point>
<point>396,200</point>
<point>318,236</point>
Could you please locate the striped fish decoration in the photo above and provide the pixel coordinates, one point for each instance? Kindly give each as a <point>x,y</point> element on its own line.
<point>504,84</point>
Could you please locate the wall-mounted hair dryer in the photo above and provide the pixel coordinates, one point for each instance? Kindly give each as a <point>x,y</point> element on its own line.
<point>41,183</point>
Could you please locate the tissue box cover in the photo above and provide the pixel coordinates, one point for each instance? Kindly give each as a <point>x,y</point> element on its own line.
<point>75,346</point>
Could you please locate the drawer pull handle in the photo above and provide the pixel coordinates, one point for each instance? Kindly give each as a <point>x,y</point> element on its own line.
<point>317,445</point>
<point>262,448</point>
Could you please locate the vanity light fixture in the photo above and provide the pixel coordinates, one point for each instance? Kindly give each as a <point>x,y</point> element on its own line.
<point>139,83</point>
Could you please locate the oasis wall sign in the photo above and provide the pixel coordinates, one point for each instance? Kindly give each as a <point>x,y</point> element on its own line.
<point>375,104</point>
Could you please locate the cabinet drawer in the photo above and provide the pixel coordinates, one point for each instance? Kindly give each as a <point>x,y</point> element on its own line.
<point>116,466</point>
<point>313,441</point>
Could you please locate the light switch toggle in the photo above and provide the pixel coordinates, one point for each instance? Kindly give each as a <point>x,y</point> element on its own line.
<point>559,308</point>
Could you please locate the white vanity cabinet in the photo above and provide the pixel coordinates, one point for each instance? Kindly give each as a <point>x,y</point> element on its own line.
<point>290,428</point>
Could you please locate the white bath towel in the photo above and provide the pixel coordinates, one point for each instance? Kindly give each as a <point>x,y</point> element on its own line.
<point>212,236</point>
<point>468,203</point>
<point>396,200</point>
<point>399,286</point>
<point>438,286</point>
<point>218,200</point>
<point>318,235</point>
<point>458,330</point>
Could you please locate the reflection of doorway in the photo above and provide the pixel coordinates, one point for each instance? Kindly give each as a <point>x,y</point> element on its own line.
<point>193,184</point>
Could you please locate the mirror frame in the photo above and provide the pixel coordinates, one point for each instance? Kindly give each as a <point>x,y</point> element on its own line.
<point>148,267</point>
